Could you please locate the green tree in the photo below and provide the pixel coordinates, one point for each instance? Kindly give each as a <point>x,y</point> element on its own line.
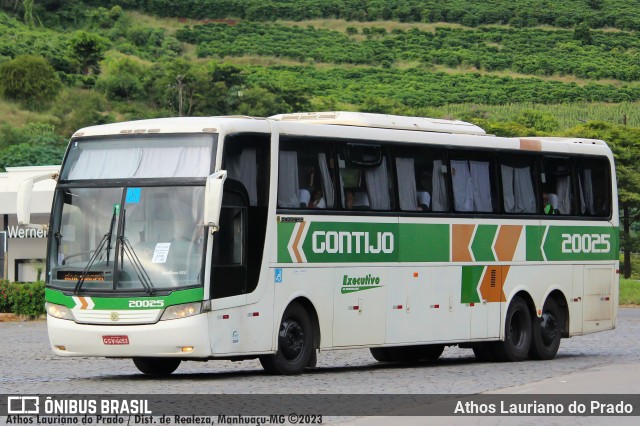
<point>582,33</point>
<point>87,49</point>
<point>35,144</point>
<point>259,102</point>
<point>537,120</point>
<point>182,86</point>
<point>76,108</point>
<point>25,154</point>
<point>30,80</point>
<point>595,4</point>
<point>122,78</point>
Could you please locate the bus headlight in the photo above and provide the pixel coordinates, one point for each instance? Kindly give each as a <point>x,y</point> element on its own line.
<point>181,311</point>
<point>59,311</point>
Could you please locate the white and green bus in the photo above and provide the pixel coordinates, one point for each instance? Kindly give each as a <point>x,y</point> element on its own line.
<point>237,238</point>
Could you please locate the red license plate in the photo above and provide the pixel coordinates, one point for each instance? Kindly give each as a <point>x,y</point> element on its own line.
<point>115,340</point>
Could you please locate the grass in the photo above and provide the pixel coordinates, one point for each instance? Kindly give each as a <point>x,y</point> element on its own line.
<point>629,292</point>
<point>13,114</point>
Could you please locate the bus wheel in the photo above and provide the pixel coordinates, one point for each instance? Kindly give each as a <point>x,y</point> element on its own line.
<point>295,343</point>
<point>431,352</point>
<point>157,366</point>
<point>381,354</point>
<point>547,331</point>
<point>517,333</point>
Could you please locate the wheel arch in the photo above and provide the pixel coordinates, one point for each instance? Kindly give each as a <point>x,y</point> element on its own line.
<point>524,295</point>
<point>308,306</point>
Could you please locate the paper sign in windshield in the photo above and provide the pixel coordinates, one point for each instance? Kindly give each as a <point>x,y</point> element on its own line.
<point>161,253</point>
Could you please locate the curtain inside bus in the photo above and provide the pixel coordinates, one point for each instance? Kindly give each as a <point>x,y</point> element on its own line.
<point>167,156</point>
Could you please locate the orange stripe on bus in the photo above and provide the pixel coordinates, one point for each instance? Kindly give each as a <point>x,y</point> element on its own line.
<point>507,241</point>
<point>530,145</point>
<point>492,283</point>
<point>83,303</point>
<point>460,239</point>
<point>297,241</point>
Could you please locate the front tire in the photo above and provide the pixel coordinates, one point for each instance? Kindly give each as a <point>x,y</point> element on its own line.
<point>156,366</point>
<point>517,333</point>
<point>547,332</point>
<point>295,343</point>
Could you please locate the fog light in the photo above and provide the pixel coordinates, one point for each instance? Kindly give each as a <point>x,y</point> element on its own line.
<point>187,349</point>
<point>60,347</point>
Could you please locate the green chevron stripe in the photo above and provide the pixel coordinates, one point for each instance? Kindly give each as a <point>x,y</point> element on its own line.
<point>483,242</point>
<point>534,242</point>
<point>471,276</point>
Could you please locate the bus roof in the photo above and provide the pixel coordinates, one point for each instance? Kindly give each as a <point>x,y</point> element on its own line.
<point>384,121</point>
<point>175,125</point>
<point>372,121</point>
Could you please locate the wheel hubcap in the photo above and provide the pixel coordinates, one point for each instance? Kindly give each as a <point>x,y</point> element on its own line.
<point>291,339</point>
<point>549,328</point>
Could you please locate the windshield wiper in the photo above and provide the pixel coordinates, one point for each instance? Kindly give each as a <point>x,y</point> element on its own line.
<point>113,221</point>
<point>141,273</point>
<point>106,239</point>
<point>138,267</point>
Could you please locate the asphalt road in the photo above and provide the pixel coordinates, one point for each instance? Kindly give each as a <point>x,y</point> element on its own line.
<point>600,363</point>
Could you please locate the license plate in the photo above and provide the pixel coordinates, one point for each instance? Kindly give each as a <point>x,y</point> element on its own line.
<point>115,340</point>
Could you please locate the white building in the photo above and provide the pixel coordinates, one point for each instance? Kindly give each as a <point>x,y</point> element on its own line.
<point>23,250</point>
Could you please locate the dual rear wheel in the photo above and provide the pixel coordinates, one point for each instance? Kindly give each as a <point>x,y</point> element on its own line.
<point>526,336</point>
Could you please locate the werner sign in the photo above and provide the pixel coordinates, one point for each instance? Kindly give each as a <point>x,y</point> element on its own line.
<point>20,232</point>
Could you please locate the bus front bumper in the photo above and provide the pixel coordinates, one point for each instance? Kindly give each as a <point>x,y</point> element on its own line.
<point>183,338</point>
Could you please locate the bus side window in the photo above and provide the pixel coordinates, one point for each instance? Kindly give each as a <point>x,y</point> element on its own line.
<point>518,191</point>
<point>365,182</point>
<point>558,196</point>
<point>422,183</point>
<point>474,184</point>
<point>305,177</point>
<point>593,186</point>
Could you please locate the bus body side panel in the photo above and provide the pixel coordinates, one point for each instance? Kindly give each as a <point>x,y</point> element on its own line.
<point>449,318</point>
<point>574,301</point>
<point>311,283</point>
<point>407,306</point>
<point>361,304</point>
<point>599,298</point>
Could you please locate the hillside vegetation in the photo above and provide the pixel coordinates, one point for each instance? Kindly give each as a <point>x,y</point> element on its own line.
<point>516,67</point>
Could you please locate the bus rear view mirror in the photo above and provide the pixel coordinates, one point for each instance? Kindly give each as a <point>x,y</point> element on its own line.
<point>213,199</point>
<point>23,207</point>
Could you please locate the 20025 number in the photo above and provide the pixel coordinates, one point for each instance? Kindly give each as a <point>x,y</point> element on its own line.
<point>586,243</point>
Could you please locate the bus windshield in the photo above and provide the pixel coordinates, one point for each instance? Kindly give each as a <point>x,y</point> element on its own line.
<point>158,156</point>
<point>152,241</point>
